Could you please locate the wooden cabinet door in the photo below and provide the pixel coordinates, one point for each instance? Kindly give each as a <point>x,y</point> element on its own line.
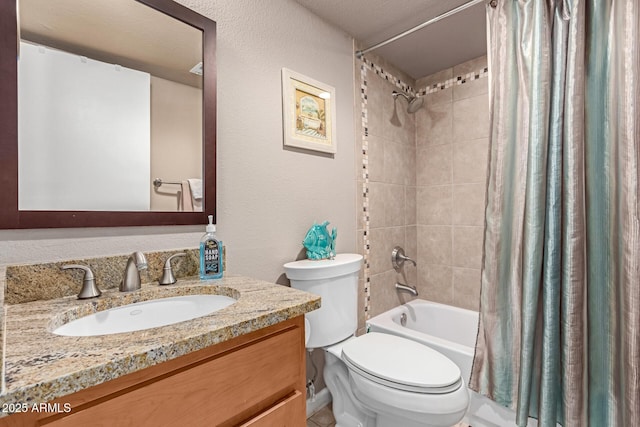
<point>261,373</point>
<point>283,414</point>
<point>207,394</point>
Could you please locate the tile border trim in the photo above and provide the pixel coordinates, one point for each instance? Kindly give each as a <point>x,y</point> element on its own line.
<point>454,81</point>
<point>432,88</point>
<point>366,246</point>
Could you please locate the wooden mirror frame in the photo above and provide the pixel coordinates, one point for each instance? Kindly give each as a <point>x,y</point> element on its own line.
<point>12,218</point>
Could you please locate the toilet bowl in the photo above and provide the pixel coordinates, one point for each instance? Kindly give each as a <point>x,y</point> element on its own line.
<point>376,380</point>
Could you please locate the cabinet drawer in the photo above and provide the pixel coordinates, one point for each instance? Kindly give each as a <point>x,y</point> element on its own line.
<point>286,413</point>
<point>224,389</point>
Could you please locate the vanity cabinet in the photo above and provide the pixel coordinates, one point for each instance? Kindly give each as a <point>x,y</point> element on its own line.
<point>255,380</point>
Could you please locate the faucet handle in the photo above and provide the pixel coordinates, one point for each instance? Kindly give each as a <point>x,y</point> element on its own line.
<point>398,258</point>
<point>167,272</point>
<point>89,288</point>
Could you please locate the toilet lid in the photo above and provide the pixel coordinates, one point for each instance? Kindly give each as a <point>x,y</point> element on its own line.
<point>401,363</point>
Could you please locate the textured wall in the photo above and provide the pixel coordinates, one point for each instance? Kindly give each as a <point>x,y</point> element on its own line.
<point>267,196</point>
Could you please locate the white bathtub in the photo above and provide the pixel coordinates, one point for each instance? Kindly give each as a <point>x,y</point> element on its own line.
<point>452,331</point>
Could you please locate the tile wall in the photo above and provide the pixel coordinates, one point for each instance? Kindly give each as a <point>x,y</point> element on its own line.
<point>424,177</point>
<point>451,149</point>
<point>390,176</point>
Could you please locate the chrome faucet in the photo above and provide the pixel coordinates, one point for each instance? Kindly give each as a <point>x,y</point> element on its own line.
<point>131,280</point>
<point>89,288</point>
<point>167,273</point>
<point>398,258</point>
<point>407,288</point>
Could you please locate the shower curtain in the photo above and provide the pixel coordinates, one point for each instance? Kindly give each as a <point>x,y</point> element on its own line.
<point>559,333</point>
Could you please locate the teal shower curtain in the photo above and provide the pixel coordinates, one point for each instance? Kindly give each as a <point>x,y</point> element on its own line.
<point>559,333</point>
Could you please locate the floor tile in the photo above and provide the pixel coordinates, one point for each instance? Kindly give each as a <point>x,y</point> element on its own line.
<point>322,418</point>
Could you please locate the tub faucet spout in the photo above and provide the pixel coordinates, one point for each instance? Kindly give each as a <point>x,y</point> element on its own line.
<point>407,288</point>
<point>131,280</point>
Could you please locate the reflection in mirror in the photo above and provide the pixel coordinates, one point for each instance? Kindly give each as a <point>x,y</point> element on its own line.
<point>110,98</point>
<point>174,122</point>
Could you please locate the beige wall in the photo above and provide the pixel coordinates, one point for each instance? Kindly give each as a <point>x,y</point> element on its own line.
<point>392,175</point>
<point>176,139</point>
<point>452,145</point>
<point>267,196</point>
<point>427,175</point>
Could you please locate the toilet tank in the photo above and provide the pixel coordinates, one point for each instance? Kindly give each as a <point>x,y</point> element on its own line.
<point>336,282</point>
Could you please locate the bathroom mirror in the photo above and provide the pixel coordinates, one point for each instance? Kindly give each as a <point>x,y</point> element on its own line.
<point>147,110</point>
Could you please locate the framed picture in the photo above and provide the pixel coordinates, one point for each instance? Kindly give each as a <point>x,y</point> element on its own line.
<point>309,113</point>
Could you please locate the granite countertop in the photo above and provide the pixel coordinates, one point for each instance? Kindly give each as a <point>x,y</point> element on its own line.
<point>40,366</point>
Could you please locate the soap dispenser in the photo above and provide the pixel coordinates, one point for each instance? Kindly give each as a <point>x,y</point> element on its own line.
<point>210,253</point>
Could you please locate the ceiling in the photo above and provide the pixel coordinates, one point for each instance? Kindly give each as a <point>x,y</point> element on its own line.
<point>71,25</point>
<point>122,32</point>
<point>446,43</point>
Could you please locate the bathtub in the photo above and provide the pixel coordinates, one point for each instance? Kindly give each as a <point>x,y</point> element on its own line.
<point>452,331</point>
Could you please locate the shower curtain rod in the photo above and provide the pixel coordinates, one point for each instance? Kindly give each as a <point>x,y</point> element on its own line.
<point>419,27</point>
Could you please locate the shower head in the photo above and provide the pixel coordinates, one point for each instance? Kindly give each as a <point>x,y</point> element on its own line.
<point>415,103</point>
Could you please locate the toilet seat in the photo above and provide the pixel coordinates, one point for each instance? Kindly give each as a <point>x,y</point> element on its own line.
<point>401,364</point>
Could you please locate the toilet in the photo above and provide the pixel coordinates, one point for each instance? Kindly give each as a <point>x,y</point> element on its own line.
<point>376,379</point>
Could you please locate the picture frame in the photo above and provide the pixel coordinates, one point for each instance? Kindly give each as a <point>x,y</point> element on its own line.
<point>309,114</point>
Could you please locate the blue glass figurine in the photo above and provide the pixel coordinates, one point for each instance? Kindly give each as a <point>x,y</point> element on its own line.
<point>319,243</point>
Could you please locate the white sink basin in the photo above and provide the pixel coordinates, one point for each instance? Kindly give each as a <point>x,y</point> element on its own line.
<point>145,315</point>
